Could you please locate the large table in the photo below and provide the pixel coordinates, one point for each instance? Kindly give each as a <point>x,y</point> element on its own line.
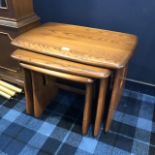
<point>95,47</point>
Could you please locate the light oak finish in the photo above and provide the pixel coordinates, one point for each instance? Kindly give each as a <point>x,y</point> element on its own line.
<point>59,64</point>
<point>82,44</point>
<point>96,47</point>
<point>28,91</point>
<point>50,63</point>
<point>117,90</point>
<point>100,105</point>
<point>88,98</point>
<point>42,92</point>
<point>71,77</point>
<point>87,108</point>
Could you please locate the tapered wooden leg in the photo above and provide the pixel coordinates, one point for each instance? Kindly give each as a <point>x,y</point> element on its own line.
<point>87,108</point>
<point>100,105</point>
<point>116,95</point>
<point>43,93</point>
<point>28,91</point>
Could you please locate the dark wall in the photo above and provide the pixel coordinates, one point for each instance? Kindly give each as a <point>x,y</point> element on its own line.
<point>131,16</point>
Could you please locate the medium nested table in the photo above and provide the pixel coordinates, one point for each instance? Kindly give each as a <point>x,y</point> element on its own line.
<point>84,45</point>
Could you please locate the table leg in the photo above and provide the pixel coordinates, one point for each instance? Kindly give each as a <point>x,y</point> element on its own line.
<point>43,92</point>
<point>100,105</point>
<point>87,108</point>
<point>28,91</point>
<point>116,95</point>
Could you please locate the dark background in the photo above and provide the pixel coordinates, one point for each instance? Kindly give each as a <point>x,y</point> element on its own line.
<point>131,16</point>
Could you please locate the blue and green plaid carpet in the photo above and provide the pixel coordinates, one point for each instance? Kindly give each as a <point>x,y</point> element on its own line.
<point>58,131</point>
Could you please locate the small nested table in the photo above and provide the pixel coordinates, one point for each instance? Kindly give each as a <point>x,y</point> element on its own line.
<point>94,47</point>
<point>39,90</point>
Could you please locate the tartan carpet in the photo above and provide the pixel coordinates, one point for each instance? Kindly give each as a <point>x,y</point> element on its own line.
<point>58,131</point>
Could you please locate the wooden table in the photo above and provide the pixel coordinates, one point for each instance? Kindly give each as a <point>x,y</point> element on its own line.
<point>41,72</point>
<point>95,47</point>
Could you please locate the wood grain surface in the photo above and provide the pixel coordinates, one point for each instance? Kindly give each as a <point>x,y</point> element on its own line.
<point>81,44</point>
<point>60,64</point>
<point>66,76</point>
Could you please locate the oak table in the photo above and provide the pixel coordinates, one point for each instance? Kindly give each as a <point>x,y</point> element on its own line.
<point>95,47</point>
<point>36,66</point>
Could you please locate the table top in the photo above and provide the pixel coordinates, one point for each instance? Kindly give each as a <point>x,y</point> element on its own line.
<point>96,47</point>
<point>60,64</point>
